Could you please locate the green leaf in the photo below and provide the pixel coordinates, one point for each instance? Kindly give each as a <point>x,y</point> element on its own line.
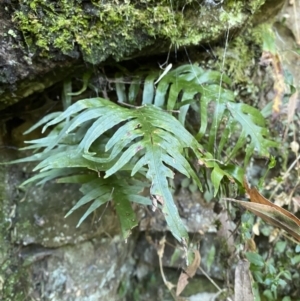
<point>146,138</point>
<point>210,257</point>
<point>99,191</point>
<point>133,92</point>
<point>258,276</point>
<point>268,294</point>
<point>255,259</point>
<point>280,246</point>
<point>269,40</point>
<point>39,156</point>
<point>181,87</point>
<point>177,254</point>
<point>125,158</point>
<point>295,259</point>
<point>50,175</point>
<point>253,125</point>
<point>126,215</point>
<point>287,274</point>
<point>272,270</point>
<point>85,78</point>
<point>79,106</point>
<point>160,147</point>
<point>85,116</point>
<point>126,134</point>
<point>96,204</point>
<point>121,89</point>
<point>66,93</point>
<point>43,121</point>
<point>140,200</point>
<point>100,126</point>
<point>77,178</point>
<point>234,171</point>
<point>148,91</point>
<point>216,177</point>
<point>69,158</point>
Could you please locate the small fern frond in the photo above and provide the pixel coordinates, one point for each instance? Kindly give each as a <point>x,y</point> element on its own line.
<point>253,125</point>
<point>99,191</point>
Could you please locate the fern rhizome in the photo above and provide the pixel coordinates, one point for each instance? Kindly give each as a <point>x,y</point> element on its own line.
<point>134,145</point>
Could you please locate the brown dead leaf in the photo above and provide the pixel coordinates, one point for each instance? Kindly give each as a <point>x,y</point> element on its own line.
<point>266,59</point>
<point>189,272</point>
<point>250,245</point>
<point>274,217</point>
<point>160,252</point>
<point>182,283</point>
<point>256,197</point>
<point>243,282</point>
<point>296,203</point>
<point>291,109</point>
<point>192,268</point>
<point>271,213</point>
<point>292,105</point>
<point>279,85</point>
<point>269,58</point>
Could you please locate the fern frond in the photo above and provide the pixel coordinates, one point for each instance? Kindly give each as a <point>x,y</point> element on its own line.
<point>219,114</point>
<point>253,125</point>
<point>100,191</point>
<point>147,137</point>
<point>151,130</point>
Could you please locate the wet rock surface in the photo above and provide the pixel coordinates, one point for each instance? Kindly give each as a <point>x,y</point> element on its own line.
<point>41,218</point>
<point>93,262</point>
<point>91,270</point>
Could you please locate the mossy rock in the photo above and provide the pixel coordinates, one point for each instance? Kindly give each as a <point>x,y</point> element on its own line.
<point>102,29</point>
<point>43,40</point>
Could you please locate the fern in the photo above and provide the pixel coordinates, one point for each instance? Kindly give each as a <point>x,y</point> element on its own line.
<point>180,88</point>
<point>100,191</point>
<point>145,138</point>
<point>96,137</point>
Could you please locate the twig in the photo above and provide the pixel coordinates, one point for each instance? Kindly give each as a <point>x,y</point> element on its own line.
<point>285,176</point>
<point>220,291</point>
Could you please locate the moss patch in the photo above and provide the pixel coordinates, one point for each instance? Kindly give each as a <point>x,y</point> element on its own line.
<point>13,278</point>
<point>242,55</point>
<point>103,29</point>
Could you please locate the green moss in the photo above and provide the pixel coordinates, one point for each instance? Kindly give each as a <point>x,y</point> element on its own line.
<point>239,59</point>
<point>119,28</point>
<point>242,54</point>
<point>15,286</point>
<point>12,276</point>
<point>254,5</point>
<point>99,30</point>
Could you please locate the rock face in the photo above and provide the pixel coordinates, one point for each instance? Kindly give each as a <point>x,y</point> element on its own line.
<point>43,42</point>
<point>53,258</point>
